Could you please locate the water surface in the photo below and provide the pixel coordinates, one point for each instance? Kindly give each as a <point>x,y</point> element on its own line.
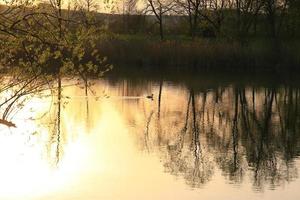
<point>192,140</point>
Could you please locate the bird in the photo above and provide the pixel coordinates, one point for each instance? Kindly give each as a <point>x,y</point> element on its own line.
<point>150,97</point>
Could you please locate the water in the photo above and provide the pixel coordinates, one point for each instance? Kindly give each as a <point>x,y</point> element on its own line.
<point>195,139</point>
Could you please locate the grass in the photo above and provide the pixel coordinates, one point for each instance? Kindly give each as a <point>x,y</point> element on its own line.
<point>181,53</point>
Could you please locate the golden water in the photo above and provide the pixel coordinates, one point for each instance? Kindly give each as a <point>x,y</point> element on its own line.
<point>119,144</point>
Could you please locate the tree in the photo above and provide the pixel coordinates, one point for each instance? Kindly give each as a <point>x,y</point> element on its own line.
<point>218,7</point>
<point>45,43</point>
<point>130,6</point>
<point>246,15</point>
<point>159,8</point>
<point>275,12</point>
<point>191,8</point>
<point>209,11</point>
<point>293,21</point>
<point>88,5</point>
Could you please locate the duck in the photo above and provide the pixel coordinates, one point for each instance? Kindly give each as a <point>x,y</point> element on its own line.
<point>150,97</point>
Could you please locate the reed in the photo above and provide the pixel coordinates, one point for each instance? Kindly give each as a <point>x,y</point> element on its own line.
<point>138,52</point>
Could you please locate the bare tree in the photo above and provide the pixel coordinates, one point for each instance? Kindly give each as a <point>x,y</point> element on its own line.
<point>89,5</point>
<point>275,12</point>
<point>218,7</point>
<point>159,8</point>
<point>210,11</point>
<point>246,14</point>
<point>191,8</point>
<point>130,6</point>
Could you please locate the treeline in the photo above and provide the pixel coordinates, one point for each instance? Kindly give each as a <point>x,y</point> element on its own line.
<point>76,39</point>
<point>238,19</point>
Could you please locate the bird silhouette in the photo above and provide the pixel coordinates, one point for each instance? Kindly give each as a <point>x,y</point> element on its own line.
<point>150,97</point>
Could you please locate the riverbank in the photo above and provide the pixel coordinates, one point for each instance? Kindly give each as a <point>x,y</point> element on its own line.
<point>182,54</point>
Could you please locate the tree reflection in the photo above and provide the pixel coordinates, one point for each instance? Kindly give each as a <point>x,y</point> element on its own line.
<point>186,156</point>
<point>16,90</point>
<point>240,130</point>
<point>59,96</point>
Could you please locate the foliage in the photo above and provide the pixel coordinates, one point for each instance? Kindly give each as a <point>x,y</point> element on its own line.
<point>41,41</point>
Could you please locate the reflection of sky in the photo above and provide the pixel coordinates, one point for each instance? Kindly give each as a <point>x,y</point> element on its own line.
<point>100,150</point>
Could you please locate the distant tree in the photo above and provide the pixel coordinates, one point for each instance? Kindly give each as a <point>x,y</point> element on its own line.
<point>89,5</point>
<point>159,8</point>
<point>110,6</point>
<point>275,12</point>
<point>293,22</point>
<point>209,11</point>
<point>246,15</point>
<point>217,8</point>
<point>191,8</point>
<point>130,6</point>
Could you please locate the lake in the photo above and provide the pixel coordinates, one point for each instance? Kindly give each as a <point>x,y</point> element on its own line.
<point>144,138</point>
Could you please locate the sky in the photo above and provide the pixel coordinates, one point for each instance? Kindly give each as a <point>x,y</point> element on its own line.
<point>107,6</point>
